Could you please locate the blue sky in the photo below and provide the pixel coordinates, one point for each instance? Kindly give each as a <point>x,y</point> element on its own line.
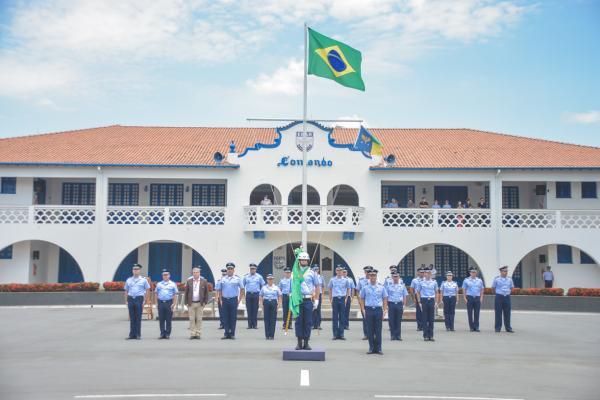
<point>514,66</point>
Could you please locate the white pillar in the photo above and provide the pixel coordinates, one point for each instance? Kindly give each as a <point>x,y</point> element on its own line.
<point>495,205</point>
<point>101,203</point>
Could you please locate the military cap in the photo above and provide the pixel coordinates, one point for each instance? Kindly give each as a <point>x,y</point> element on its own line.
<point>367,268</point>
<point>315,267</point>
<point>270,276</point>
<point>504,268</point>
<point>472,269</point>
<point>253,266</point>
<point>223,269</point>
<point>339,268</point>
<point>449,273</point>
<point>137,266</point>
<point>287,269</point>
<point>421,269</point>
<point>394,274</point>
<point>230,264</point>
<point>392,266</point>
<point>165,271</point>
<point>373,271</point>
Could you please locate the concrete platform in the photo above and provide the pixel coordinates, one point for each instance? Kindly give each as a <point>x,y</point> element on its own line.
<point>317,354</point>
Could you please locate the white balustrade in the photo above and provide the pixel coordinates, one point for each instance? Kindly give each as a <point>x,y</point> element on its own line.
<point>166,215</point>
<point>14,214</point>
<point>589,219</point>
<point>47,214</point>
<point>436,217</point>
<point>529,219</point>
<point>292,215</point>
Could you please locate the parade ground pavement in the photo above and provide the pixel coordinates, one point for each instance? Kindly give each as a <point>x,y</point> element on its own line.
<point>80,353</point>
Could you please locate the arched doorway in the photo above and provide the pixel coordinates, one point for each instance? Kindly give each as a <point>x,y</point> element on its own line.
<point>571,266</point>
<point>443,257</point>
<point>269,191</point>
<point>38,261</point>
<point>342,195</point>
<point>155,256</point>
<point>312,196</point>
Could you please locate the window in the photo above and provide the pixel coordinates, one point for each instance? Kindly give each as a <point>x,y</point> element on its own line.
<point>588,190</point>
<point>208,195</point>
<point>78,194</point>
<point>585,259</point>
<point>401,193</point>
<point>564,254</point>
<point>563,190</point>
<point>6,253</point>
<point>166,194</point>
<point>453,259</point>
<point>9,186</point>
<point>123,194</point>
<point>406,268</point>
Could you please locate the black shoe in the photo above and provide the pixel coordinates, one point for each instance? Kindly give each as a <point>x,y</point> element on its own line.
<point>335,338</point>
<point>299,345</point>
<point>497,330</point>
<point>342,338</point>
<point>400,339</point>
<point>472,330</point>
<point>431,339</point>
<point>231,337</point>
<point>425,339</point>
<point>138,338</point>
<point>130,338</point>
<point>192,337</point>
<point>365,338</point>
<point>370,352</point>
<point>225,337</point>
<point>167,337</point>
<point>419,329</point>
<point>477,330</point>
<point>452,330</point>
<point>161,337</point>
<point>221,327</point>
<point>306,345</point>
<point>379,352</point>
<point>510,331</point>
<point>319,329</point>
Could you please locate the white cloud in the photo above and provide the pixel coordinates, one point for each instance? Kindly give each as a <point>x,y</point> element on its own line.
<point>590,117</point>
<point>285,80</point>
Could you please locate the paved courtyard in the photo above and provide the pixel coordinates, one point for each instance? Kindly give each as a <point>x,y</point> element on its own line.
<point>58,353</point>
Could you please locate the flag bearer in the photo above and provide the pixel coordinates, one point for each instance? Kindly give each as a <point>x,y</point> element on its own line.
<point>397,295</point>
<point>253,282</point>
<point>317,312</point>
<point>270,299</point>
<point>166,293</point>
<point>285,285</point>
<point>339,291</point>
<point>473,296</point>
<point>361,283</point>
<point>414,286</point>
<point>309,290</point>
<point>449,292</point>
<point>230,294</point>
<point>373,303</point>
<point>352,287</point>
<point>428,295</point>
<point>136,289</point>
<point>502,285</point>
<point>217,288</point>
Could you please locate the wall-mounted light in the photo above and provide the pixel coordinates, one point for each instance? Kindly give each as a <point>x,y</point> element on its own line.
<point>146,188</point>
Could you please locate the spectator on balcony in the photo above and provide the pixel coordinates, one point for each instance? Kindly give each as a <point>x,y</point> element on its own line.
<point>410,204</point>
<point>481,203</point>
<point>548,277</point>
<point>423,203</point>
<point>266,201</point>
<point>436,204</point>
<point>460,205</point>
<point>392,203</point>
<point>468,203</point>
<point>447,204</point>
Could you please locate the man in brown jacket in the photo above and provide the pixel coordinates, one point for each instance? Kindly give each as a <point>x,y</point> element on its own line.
<point>196,297</point>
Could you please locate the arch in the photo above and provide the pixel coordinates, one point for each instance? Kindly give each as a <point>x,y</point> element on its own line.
<point>342,195</point>
<point>573,266</point>
<point>35,260</point>
<point>262,190</point>
<point>443,256</point>
<point>295,196</point>
<point>177,256</point>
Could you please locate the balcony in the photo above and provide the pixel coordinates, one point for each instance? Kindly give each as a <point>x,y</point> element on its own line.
<point>436,217</point>
<point>318,218</point>
<point>47,214</point>
<point>166,215</point>
<point>551,219</point>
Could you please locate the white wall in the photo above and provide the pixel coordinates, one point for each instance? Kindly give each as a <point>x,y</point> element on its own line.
<point>16,270</point>
<point>575,202</point>
<point>24,195</point>
<point>575,274</point>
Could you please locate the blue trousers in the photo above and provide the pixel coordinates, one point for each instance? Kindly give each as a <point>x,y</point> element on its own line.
<point>473,308</point>
<point>270,317</point>
<point>165,316</point>
<point>347,313</point>
<point>374,324</point>
<point>338,317</point>
<point>317,314</point>
<point>135,306</point>
<point>221,325</point>
<point>449,311</point>
<point>395,311</point>
<point>285,306</point>
<point>419,315</point>
<point>364,324</point>
<point>428,310</point>
<point>252,309</point>
<point>502,309</point>
<point>230,315</point>
<point>303,323</point>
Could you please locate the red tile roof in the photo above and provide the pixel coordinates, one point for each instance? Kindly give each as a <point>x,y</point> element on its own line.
<point>195,146</point>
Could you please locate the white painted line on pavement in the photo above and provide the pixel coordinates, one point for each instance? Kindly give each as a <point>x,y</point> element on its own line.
<point>126,396</point>
<point>304,377</point>
<point>404,396</point>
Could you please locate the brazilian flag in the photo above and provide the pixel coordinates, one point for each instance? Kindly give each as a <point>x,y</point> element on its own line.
<point>334,60</point>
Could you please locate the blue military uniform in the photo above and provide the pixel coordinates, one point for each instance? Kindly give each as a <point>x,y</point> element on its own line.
<point>396,295</point>
<point>317,316</point>
<point>285,285</point>
<point>449,292</point>
<point>349,302</point>
<point>229,294</point>
<point>253,282</point>
<point>338,287</point>
<point>361,283</point>
<point>136,291</point>
<point>374,297</point>
<point>219,305</point>
<point>414,284</point>
<point>502,306</point>
<point>473,288</point>
<point>303,324</point>
<point>165,294</point>
<point>270,295</point>
<point>427,292</point>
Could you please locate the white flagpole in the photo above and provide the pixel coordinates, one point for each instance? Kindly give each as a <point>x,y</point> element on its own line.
<point>304,156</point>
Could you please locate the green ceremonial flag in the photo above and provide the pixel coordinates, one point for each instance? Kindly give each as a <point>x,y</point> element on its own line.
<point>297,279</point>
<point>334,60</point>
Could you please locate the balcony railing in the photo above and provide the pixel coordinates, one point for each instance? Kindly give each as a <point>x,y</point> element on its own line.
<point>551,219</point>
<point>436,217</point>
<point>342,218</point>
<point>46,214</point>
<point>166,215</point>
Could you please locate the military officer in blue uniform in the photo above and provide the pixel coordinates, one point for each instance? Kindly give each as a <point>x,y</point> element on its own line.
<point>388,279</point>
<point>473,296</point>
<point>166,291</point>
<point>230,293</point>
<point>449,292</point>
<point>310,291</point>
<point>317,312</point>
<point>217,288</point>
<point>373,303</point>
<point>361,283</point>
<point>414,286</point>
<point>136,289</point>
<point>285,285</point>
<point>270,299</point>
<point>397,295</point>
<point>349,299</point>
<point>502,285</point>
<point>252,282</point>
<point>427,294</point>
<point>339,291</point>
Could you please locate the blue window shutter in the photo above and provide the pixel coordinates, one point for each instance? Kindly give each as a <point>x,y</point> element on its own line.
<point>8,186</point>
<point>564,254</point>
<point>589,190</point>
<point>585,258</point>
<point>6,253</point>
<point>563,190</point>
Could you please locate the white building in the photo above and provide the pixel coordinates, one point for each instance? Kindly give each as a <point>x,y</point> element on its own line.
<point>86,205</point>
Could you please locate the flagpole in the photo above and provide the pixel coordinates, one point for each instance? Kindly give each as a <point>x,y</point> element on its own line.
<point>304,145</point>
